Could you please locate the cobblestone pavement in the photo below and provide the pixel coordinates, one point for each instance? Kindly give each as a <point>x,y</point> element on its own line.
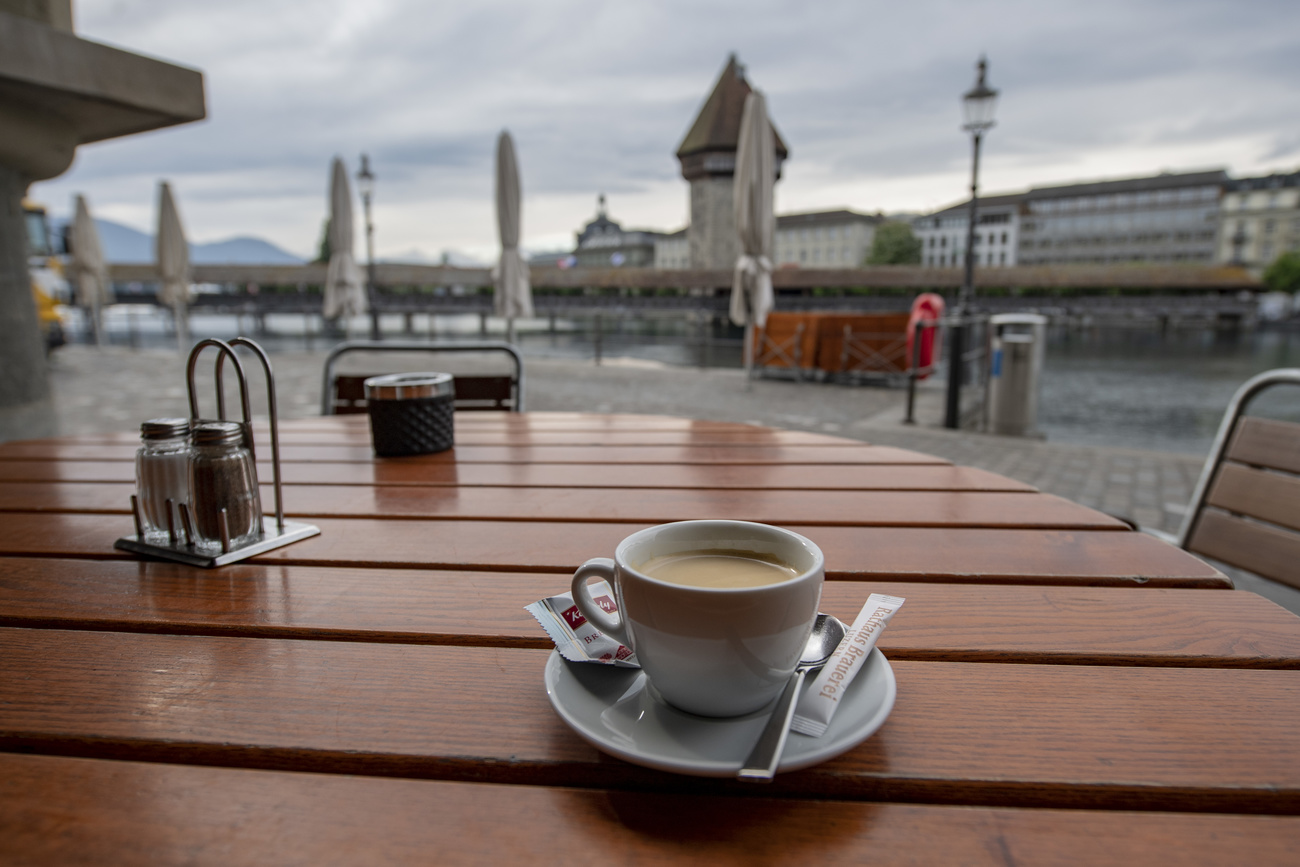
<point>114,389</point>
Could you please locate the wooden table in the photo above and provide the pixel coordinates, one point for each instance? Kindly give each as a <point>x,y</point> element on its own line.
<point>1067,689</point>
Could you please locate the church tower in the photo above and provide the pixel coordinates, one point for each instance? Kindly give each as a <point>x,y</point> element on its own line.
<point>708,158</point>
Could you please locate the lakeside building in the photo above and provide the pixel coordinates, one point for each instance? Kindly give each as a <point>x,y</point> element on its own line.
<point>1161,218</point>
<point>708,162</point>
<point>997,231</point>
<point>825,239</point>
<point>603,243</point>
<point>1260,220</point>
<point>673,250</point>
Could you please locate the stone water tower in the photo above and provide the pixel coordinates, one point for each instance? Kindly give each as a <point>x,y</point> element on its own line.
<point>708,158</point>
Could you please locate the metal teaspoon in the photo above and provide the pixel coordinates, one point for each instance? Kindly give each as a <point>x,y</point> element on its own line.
<point>760,767</point>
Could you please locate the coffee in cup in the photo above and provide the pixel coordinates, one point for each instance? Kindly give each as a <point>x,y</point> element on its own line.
<point>717,612</point>
<point>718,567</point>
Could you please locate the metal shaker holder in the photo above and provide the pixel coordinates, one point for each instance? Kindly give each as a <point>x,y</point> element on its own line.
<point>181,537</point>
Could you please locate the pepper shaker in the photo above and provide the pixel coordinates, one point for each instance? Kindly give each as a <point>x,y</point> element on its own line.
<point>225,501</point>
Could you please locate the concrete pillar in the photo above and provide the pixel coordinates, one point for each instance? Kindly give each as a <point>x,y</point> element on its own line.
<point>58,92</point>
<point>25,406</point>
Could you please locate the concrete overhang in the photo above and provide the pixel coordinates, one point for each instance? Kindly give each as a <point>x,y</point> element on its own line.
<point>58,91</point>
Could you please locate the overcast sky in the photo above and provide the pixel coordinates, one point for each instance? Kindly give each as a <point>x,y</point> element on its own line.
<point>598,96</point>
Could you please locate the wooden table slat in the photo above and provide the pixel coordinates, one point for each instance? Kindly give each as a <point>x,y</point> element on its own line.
<point>320,705</point>
<point>847,453</point>
<point>988,623</point>
<point>860,477</point>
<point>1015,509</point>
<point>952,555</point>
<point>61,810</point>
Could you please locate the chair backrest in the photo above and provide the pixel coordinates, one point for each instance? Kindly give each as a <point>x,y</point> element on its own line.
<point>344,393</point>
<point>1246,508</point>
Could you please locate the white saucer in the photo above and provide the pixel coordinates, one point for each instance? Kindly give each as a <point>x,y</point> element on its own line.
<point>612,709</point>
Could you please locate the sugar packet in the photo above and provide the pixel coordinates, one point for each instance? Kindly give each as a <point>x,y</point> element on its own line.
<point>813,714</point>
<point>575,638</point>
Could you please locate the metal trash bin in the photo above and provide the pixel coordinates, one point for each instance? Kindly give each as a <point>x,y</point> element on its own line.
<point>1018,346</point>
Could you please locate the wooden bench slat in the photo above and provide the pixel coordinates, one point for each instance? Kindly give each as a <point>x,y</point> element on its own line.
<point>1268,496</point>
<point>989,623</point>
<point>344,707</point>
<point>473,393</point>
<point>648,505</point>
<point>59,810</point>
<point>548,454</point>
<point>949,555</point>
<point>1264,550</point>
<point>866,477</point>
<point>1266,443</point>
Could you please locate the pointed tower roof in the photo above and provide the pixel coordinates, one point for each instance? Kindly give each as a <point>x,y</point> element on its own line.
<point>717,127</point>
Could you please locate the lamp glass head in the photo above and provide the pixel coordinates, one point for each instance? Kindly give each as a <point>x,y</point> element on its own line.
<point>365,178</point>
<point>979,103</point>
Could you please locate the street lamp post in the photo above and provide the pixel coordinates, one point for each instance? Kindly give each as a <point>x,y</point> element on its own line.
<point>366,185</point>
<point>978,104</point>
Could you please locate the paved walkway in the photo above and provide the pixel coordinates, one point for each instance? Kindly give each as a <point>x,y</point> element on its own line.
<point>114,389</point>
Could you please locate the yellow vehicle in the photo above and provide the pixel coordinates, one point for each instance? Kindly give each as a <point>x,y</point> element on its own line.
<point>49,285</point>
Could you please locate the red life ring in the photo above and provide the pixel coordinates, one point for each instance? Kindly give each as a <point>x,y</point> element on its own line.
<point>928,307</point>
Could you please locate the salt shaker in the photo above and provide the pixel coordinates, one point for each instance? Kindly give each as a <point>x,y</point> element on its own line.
<point>162,474</point>
<point>225,502</point>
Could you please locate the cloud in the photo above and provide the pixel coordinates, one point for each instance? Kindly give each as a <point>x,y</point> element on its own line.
<point>599,94</point>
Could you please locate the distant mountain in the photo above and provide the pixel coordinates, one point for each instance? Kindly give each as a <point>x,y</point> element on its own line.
<point>127,245</point>
<point>241,251</point>
<point>124,244</point>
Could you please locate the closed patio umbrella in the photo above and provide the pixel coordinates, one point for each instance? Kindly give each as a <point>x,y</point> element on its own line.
<point>751,286</point>
<point>345,291</point>
<point>514,295</point>
<point>173,258</point>
<point>89,270</point>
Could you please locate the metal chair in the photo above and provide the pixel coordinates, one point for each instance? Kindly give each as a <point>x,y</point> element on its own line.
<point>1245,510</point>
<point>343,394</point>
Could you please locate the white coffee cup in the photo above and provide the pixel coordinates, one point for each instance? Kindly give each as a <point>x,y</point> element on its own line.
<point>711,651</point>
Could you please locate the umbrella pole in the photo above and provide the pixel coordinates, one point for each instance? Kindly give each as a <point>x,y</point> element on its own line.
<point>178,314</point>
<point>97,321</point>
<point>749,356</point>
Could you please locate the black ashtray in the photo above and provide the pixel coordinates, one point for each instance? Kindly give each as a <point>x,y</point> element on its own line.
<point>411,413</point>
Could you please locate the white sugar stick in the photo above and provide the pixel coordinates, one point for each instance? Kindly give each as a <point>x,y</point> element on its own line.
<point>819,701</point>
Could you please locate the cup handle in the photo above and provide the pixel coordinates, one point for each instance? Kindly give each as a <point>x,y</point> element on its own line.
<point>610,624</point>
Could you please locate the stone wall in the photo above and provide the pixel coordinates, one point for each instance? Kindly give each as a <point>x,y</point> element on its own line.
<point>712,233</point>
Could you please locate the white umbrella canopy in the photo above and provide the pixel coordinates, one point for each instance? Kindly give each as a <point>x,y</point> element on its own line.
<point>514,295</point>
<point>173,258</point>
<point>751,287</point>
<point>345,291</point>
<point>90,271</point>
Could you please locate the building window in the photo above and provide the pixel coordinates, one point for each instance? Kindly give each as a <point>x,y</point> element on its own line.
<point>1002,258</point>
